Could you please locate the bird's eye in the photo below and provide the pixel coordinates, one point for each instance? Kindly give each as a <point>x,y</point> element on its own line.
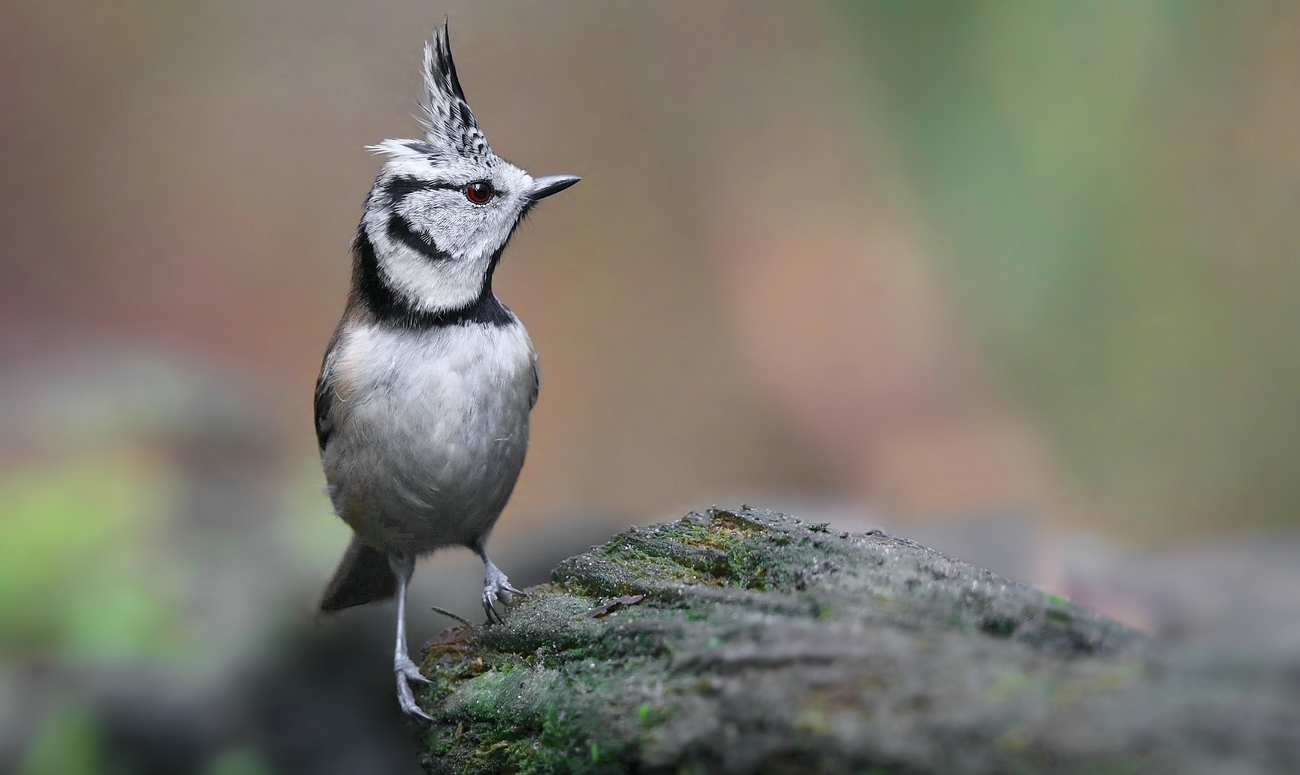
<point>479,193</point>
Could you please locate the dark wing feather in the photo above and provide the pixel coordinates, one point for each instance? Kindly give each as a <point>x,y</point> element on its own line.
<point>537,384</point>
<point>325,394</point>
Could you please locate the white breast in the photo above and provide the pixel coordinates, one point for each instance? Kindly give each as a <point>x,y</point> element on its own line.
<point>431,431</point>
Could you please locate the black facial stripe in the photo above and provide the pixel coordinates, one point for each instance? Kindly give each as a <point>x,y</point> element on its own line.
<point>399,187</point>
<point>399,230</point>
<point>389,308</point>
<point>367,283</point>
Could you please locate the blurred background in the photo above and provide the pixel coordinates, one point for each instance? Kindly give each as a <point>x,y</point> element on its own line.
<point>1018,279</point>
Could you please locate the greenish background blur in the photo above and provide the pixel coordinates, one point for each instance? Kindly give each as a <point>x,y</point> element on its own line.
<point>1114,189</point>
<point>1032,267</point>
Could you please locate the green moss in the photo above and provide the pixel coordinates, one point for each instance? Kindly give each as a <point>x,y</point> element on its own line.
<point>552,690</point>
<point>1002,627</point>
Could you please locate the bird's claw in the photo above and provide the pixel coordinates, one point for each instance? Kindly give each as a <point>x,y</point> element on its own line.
<point>406,667</point>
<point>497,588</point>
<point>405,670</point>
<point>490,599</point>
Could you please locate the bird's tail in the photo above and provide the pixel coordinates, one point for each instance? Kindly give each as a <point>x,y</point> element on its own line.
<point>363,576</point>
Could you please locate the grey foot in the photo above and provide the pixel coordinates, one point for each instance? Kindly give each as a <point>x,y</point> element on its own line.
<point>407,671</point>
<point>497,588</point>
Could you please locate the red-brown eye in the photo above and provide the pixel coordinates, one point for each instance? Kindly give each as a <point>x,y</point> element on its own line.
<point>479,193</point>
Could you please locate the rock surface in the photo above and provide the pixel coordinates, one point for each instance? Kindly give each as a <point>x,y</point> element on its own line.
<point>750,642</point>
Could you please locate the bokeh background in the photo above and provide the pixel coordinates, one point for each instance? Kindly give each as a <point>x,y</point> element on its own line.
<point>1019,279</point>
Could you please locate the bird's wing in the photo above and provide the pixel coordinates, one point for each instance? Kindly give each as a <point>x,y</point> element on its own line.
<point>325,395</point>
<point>537,382</point>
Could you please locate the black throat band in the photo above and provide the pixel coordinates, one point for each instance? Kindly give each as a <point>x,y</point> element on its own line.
<point>388,307</point>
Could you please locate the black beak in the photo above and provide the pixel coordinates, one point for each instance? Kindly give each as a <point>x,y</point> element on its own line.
<point>551,184</point>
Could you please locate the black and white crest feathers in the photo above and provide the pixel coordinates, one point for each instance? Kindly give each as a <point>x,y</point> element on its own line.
<point>448,122</point>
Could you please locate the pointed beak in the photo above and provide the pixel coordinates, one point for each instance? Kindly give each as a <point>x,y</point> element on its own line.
<point>551,184</point>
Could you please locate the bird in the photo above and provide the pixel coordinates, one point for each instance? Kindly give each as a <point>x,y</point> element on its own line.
<point>424,394</point>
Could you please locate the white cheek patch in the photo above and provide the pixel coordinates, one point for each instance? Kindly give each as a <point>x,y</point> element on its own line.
<point>467,235</point>
<point>458,227</point>
<point>427,284</point>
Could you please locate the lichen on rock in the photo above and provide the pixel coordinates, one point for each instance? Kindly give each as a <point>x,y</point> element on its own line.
<point>746,641</point>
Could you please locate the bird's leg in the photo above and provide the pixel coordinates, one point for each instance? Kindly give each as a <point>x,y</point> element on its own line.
<point>403,566</point>
<point>495,585</point>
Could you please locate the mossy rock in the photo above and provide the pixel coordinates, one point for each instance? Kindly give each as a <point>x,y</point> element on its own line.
<point>747,641</point>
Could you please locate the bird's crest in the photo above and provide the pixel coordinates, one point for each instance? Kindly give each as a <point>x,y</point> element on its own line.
<point>448,122</point>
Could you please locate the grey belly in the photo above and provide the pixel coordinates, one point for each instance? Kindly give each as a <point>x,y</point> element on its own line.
<point>415,470</point>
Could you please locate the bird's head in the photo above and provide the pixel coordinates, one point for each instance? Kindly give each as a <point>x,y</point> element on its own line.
<point>443,208</point>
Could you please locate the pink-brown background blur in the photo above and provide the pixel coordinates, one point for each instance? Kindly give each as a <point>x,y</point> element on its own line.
<point>1033,267</point>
